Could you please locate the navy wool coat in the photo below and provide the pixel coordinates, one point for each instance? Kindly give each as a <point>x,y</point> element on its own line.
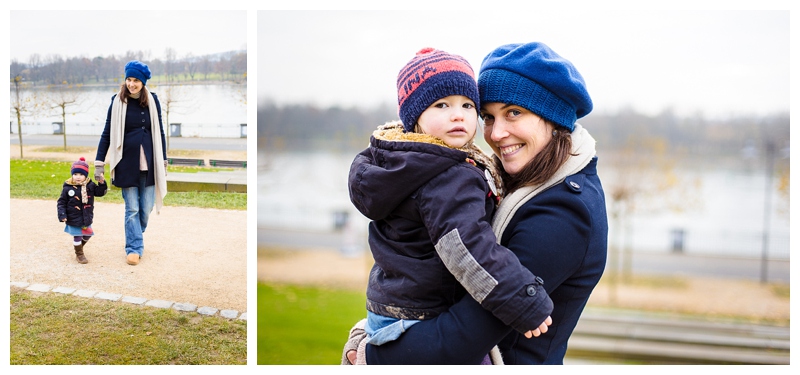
<point>137,135</point>
<point>71,206</point>
<point>561,234</point>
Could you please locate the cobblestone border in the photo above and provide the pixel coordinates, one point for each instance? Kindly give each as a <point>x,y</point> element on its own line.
<point>179,306</point>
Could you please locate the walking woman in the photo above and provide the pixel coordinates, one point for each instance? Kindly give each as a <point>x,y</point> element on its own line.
<point>132,148</point>
<point>553,216</point>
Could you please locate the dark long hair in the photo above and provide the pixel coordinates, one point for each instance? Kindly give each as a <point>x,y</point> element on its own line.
<point>124,94</point>
<point>543,166</point>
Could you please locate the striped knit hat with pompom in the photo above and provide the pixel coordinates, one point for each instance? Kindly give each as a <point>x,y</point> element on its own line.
<point>80,166</point>
<point>431,75</point>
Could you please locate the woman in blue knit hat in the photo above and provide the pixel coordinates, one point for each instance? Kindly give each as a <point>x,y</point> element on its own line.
<point>132,149</point>
<point>553,216</point>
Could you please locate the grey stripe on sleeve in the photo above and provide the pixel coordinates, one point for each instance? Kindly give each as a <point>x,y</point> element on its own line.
<point>464,267</point>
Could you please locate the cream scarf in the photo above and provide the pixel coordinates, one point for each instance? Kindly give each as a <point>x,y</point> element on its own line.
<point>118,111</point>
<point>84,196</point>
<point>394,131</point>
<point>582,145</point>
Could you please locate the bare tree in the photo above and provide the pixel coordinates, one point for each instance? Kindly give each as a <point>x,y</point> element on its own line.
<point>52,69</point>
<point>59,98</point>
<point>643,179</point>
<point>238,66</point>
<point>21,106</point>
<point>191,65</point>
<point>172,99</point>
<point>34,66</point>
<point>169,63</point>
<point>205,66</point>
<point>223,66</point>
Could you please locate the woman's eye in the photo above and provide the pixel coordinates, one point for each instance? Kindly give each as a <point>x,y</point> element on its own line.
<point>488,120</point>
<point>514,113</point>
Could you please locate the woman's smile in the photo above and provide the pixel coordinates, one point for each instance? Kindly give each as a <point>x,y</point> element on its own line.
<point>509,150</point>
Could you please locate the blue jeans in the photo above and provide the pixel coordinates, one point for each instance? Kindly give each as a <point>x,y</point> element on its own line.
<point>139,202</point>
<point>382,329</point>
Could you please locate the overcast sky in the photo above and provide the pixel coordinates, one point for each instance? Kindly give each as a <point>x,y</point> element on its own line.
<point>102,33</point>
<point>714,62</point>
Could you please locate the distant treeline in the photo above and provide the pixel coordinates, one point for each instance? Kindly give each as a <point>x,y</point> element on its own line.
<point>335,128</point>
<point>284,128</point>
<point>56,70</point>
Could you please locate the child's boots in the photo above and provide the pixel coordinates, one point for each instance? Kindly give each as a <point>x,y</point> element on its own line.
<point>79,253</point>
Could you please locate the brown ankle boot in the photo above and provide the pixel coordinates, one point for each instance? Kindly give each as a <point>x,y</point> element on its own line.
<point>79,253</point>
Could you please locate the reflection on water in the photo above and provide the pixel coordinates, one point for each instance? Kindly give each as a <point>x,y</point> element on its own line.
<point>308,191</point>
<point>202,110</point>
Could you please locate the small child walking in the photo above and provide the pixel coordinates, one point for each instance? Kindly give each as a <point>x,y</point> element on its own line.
<point>76,205</point>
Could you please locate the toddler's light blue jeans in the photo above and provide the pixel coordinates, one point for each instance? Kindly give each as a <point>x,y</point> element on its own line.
<point>382,329</point>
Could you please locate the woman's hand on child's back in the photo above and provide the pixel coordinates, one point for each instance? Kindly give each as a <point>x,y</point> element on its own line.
<point>539,331</point>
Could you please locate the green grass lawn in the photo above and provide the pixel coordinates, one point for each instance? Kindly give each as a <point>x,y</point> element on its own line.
<point>39,179</point>
<point>58,329</point>
<point>305,325</point>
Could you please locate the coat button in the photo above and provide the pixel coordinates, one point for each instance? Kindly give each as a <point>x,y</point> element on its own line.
<point>142,120</point>
<point>539,280</point>
<point>575,184</point>
<point>531,290</point>
<point>142,112</point>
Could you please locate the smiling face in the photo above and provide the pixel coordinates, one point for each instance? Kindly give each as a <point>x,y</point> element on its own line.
<point>134,85</point>
<point>515,134</point>
<point>453,119</point>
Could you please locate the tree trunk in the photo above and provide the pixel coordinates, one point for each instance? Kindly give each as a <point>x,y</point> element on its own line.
<point>64,124</point>
<point>19,131</point>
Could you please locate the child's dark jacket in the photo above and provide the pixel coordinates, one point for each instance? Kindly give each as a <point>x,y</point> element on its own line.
<point>431,236</point>
<point>71,207</point>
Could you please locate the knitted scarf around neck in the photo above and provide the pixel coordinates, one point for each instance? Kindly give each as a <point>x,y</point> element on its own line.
<point>118,111</point>
<point>84,196</point>
<point>582,145</point>
<point>394,131</point>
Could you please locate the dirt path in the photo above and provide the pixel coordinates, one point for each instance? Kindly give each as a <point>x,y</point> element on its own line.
<point>192,255</point>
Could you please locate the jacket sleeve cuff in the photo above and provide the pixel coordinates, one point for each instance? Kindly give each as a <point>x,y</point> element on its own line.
<point>538,307</point>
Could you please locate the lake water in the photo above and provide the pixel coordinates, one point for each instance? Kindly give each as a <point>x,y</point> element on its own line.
<point>201,110</point>
<point>308,191</point>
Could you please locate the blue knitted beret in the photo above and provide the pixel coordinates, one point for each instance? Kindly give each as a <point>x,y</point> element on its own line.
<point>534,77</point>
<point>137,70</point>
